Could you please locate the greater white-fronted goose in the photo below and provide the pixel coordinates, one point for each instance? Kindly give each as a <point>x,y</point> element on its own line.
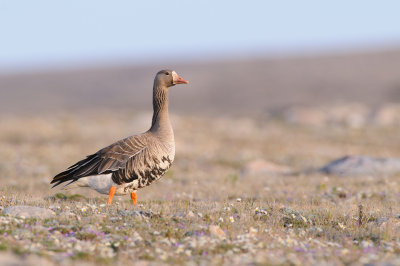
<point>134,162</point>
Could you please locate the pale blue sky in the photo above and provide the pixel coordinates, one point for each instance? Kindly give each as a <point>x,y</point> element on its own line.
<point>44,33</point>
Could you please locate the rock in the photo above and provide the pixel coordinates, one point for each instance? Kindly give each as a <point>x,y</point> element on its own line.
<point>190,215</point>
<point>362,165</point>
<point>66,215</point>
<point>260,214</point>
<point>216,231</point>
<point>290,217</point>
<point>28,212</point>
<point>260,166</point>
<point>139,214</point>
<point>354,115</point>
<point>7,258</point>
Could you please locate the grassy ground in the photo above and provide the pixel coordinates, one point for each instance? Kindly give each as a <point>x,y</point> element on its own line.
<point>204,210</point>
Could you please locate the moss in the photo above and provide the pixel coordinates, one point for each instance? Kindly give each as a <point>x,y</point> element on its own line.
<point>18,251</point>
<point>168,234</point>
<point>232,178</point>
<point>63,197</point>
<point>82,256</point>
<point>3,246</point>
<point>77,197</point>
<point>59,196</point>
<point>222,248</point>
<point>4,230</point>
<point>85,236</point>
<point>146,257</point>
<point>207,218</point>
<point>62,229</point>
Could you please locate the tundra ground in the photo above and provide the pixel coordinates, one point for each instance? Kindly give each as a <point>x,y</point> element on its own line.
<point>207,209</point>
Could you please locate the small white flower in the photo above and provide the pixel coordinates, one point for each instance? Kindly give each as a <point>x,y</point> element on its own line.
<point>238,200</point>
<point>83,209</point>
<point>231,219</point>
<point>341,226</point>
<point>221,219</point>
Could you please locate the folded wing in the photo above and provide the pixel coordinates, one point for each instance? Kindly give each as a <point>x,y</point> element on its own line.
<point>107,160</point>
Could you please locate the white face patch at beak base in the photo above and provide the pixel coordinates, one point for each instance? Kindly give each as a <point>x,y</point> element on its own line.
<point>174,77</point>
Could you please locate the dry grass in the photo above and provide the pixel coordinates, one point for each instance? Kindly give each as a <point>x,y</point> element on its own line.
<point>301,219</point>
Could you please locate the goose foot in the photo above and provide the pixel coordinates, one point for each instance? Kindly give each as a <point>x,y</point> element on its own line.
<point>111,194</point>
<point>134,198</point>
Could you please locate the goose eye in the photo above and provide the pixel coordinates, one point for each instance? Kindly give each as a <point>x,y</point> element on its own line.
<point>167,74</point>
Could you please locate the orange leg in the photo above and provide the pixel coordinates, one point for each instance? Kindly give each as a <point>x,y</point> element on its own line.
<point>111,194</point>
<point>134,198</point>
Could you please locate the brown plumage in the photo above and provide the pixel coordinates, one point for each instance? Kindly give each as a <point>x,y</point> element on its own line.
<point>133,162</point>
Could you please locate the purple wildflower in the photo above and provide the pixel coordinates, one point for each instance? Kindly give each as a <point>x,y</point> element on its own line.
<point>299,249</point>
<point>69,254</point>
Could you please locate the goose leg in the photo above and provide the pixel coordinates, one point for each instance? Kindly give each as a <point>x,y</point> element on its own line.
<point>111,194</point>
<point>134,198</point>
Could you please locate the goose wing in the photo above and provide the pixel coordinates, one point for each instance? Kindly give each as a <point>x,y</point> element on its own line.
<point>107,160</point>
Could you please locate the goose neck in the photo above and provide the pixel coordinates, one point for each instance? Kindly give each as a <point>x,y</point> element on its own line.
<point>160,119</point>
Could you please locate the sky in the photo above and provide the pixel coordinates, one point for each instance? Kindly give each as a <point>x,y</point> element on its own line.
<point>47,33</point>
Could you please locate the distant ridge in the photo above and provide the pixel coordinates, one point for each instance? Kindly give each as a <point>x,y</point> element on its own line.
<point>248,87</point>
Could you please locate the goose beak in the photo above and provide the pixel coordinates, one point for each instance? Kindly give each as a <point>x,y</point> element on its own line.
<point>177,79</point>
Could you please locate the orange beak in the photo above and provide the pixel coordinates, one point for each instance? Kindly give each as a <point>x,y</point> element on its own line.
<point>178,80</point>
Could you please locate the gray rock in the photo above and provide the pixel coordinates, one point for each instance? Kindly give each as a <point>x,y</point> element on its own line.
<point>362,165</point>
<point>9,259</point>
<point>28,212</point>
<point>139,214</point>
<point>260,214</point>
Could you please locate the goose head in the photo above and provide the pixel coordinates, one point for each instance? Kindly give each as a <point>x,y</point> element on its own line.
<point>169,78</point>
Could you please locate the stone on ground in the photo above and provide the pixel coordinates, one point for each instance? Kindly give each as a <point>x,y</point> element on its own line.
<point>216,231</point>
<point>28,212</point>
<point>362,165</point>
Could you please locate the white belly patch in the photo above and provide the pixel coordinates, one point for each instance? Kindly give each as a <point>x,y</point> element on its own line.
<point>102,184</point>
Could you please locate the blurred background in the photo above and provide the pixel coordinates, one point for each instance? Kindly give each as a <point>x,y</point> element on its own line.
<point>291,84</point>
<point>252,59</point>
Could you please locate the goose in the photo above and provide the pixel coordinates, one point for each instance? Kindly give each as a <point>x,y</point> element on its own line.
<point>133,162</point>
